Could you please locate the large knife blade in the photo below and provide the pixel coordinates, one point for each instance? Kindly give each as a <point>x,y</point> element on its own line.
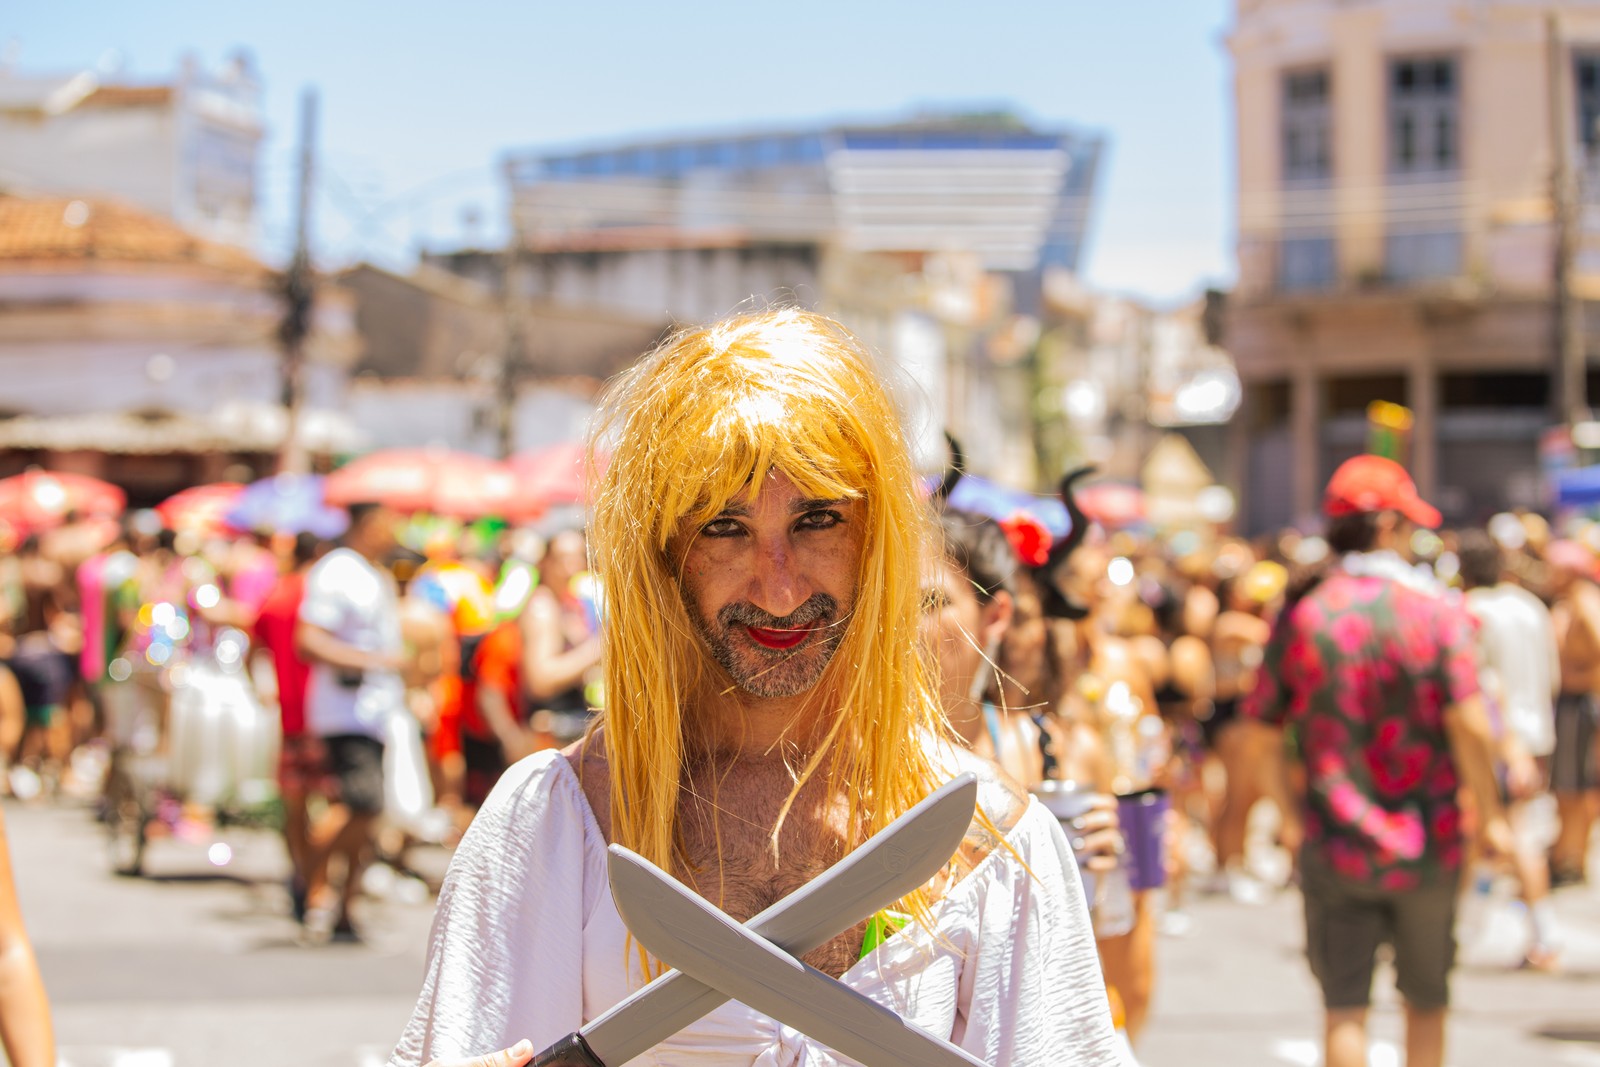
<point>890,864</point>
<point>688,932</point>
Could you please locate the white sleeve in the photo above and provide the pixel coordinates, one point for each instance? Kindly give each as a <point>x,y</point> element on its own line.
<point>505,958</point>
<point>1033,995</point>
<point>323,605</point>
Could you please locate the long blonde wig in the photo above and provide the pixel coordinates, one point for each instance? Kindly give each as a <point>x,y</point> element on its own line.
<point>699,420</point>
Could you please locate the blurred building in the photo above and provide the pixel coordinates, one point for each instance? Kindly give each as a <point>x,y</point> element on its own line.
<point>135,351</point>
<point>931,237</point>
<point>435,341</point>
<point>1397,238</point>
<point>1112,377</point>
<point>184,148</point>
<point>986,184</point>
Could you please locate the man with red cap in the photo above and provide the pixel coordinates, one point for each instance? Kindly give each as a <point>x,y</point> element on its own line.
<point>1375,676</point>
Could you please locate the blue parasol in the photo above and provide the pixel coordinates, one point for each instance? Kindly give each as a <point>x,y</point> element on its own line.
<point>997,501</point>
<point>287,503</point>
<point>1576,487</point>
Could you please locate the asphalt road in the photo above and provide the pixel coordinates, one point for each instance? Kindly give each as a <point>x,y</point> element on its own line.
<point>200,964</point>
<point>1238,992</point>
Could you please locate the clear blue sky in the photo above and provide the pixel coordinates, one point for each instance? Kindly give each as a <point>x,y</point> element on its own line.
<point>419,101</point>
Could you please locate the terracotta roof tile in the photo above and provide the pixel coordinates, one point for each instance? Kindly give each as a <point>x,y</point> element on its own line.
<point>128,96</point>
<point>61,228</point>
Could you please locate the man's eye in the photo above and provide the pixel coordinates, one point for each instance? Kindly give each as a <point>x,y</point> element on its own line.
<point>720,528</point>
<point>819,520</point>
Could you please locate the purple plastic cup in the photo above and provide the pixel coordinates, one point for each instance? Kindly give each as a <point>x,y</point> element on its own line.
<point>1144,827</point>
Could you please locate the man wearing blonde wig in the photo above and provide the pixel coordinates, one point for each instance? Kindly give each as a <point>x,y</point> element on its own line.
<point>759,534</point>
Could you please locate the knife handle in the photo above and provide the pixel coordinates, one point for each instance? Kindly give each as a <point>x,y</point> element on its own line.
<point>570,1051</point>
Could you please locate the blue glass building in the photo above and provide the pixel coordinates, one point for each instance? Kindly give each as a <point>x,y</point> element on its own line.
<point>989,184</point>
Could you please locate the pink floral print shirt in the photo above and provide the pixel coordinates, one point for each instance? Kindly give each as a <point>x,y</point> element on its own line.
<point>1362,668</point>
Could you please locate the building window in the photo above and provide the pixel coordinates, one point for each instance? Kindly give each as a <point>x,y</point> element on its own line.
<point>1586,78</point>
<point>1586,93</point>
<point>1306,151</point>
<point>1307,263</point>
<point>1425,200</point>
<point>1306,248</point>
<point>1421,256</point>
<point>1423,120</point>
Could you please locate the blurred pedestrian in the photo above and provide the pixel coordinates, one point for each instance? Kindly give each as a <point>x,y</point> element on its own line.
<point>561,639</point>
<point>43,660</point>
<point>494,732</point>
<point>349,630</point>
<point>1574,763</point>
<point>301,760</point>
<point>1520,672</point>
<point>1238,641</point>
<point>1379,680</point>
<point>1113,683</point>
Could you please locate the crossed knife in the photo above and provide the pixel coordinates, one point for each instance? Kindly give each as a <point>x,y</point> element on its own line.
<point>718,960</point>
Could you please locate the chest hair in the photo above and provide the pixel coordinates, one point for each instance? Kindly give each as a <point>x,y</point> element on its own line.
<point>727,825</point>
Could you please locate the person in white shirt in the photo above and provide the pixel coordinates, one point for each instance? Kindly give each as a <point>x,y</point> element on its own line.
<point>349,631</point>
<point>760,533</point>
<point>1520,671</point>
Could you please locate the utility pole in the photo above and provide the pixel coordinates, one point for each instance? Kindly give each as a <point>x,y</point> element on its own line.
<point>1569,370</point>
<point>298,291</point>
<point>505,379</point>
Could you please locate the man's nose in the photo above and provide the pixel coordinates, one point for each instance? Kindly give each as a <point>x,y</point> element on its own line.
<point>778,587</point>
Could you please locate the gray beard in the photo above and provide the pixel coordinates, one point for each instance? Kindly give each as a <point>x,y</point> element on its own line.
<point>771,672</point>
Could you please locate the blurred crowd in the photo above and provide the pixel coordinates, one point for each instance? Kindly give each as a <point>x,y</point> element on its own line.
<point>1107,675</point>
<point>188,647</point>
<point>1118,670</point>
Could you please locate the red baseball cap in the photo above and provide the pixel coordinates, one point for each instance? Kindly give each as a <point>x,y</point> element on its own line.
<point>1373,483</point>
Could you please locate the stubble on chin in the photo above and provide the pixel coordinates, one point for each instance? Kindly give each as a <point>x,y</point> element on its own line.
<point>772,673</point>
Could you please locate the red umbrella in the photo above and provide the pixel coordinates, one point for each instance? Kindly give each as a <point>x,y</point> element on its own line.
<point>1112,504</point>
<point>474,492</point>
<point>423,479</point>
<point>201,508</point>
<point>550,477</point>
<point>41,500</point>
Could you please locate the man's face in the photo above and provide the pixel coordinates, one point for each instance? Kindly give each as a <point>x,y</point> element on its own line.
<point>770,583</point>
<point>377,532</point>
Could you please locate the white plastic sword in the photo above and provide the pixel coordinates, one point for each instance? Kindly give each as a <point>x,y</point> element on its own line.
<point>890,864</point>
<point>690,933</point>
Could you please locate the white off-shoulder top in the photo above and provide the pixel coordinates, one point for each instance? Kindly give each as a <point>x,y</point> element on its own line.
<point>527,943</point>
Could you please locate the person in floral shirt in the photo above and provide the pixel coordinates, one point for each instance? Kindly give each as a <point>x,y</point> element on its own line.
<point>1376,674</point>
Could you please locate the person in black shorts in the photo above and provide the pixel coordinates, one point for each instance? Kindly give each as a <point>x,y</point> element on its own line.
<point>349,631</point>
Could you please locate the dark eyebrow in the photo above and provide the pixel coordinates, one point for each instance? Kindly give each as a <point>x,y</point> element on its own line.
<point>799,507</point>
<point>802,506</point>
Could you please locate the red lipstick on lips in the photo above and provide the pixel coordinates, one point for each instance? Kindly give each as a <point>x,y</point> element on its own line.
<point>779,639</point>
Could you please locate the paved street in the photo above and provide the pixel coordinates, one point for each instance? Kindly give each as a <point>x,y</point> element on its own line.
<point>1238,992</point>
<point>199,965</point>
